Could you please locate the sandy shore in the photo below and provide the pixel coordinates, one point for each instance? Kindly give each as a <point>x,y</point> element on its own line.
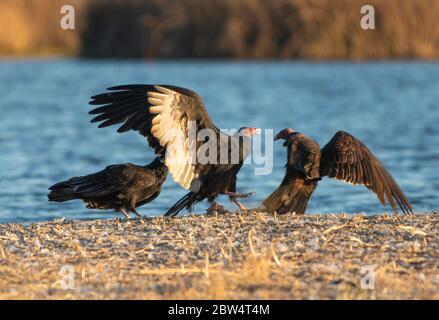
<point>231,256</point>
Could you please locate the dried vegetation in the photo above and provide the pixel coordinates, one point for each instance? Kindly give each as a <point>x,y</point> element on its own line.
<point>230,256</point>
<point>311,29</point>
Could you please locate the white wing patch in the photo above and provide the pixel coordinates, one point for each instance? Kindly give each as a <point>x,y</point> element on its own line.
<point>170,127</point>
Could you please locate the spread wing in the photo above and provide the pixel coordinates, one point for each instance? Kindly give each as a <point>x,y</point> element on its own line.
<point>348,159</point>
<point>166,116</point>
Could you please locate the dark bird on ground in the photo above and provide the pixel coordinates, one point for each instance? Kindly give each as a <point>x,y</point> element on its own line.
<point>172,119</point>
<point>344,157</point>
<point>121,187</point>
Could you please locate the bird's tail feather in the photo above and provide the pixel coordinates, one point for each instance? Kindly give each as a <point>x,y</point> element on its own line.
<point>61,192</point>
<point>93,185</point>
<point>186,202</point>
<point>291,197</point>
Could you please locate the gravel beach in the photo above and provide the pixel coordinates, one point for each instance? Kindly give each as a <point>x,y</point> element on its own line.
<point>229,256</point>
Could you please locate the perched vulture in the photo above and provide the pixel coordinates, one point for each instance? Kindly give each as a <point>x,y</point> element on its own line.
<point>171,118</point>
<point>344,157</point>
<point>122,187</point>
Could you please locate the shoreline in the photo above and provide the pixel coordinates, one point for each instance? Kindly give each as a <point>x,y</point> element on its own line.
<point>230,256</point>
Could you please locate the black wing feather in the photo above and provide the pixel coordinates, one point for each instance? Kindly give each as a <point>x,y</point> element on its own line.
<point>346,158</point>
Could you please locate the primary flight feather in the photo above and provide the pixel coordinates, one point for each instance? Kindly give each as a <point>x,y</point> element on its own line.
<point>344,157</point>
<point>165,114</point>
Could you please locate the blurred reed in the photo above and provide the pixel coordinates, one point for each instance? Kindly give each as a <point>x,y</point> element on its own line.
<point>240,29</point>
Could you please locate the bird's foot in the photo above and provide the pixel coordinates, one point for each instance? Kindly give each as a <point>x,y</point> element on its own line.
<point>215,208</point>
<point>138,215</point>
<point>242,207</point>
<point>125,214</point>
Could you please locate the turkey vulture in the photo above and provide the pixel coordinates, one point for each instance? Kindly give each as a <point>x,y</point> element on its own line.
<point>122,187</point>
<point>344,157</point>
<point>167,116</point>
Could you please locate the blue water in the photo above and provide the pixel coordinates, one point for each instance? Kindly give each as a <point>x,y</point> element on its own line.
<point>45,134</point>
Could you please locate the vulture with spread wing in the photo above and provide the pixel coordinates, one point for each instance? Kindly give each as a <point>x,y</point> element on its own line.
<point>344,157</point>
<point>171,118</point>
<point>121,187</point>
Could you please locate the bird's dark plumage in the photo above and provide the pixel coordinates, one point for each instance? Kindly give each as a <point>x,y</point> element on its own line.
<point>165,115</point>
<point>121,187</point>
<point>345,158</point>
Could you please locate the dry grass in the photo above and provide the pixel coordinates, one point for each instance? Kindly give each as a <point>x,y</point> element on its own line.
<point>231,256</point>
<point>283,29</point>
<point>32,27</point>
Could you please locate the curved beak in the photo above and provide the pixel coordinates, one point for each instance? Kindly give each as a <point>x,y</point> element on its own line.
<point>277,137</point>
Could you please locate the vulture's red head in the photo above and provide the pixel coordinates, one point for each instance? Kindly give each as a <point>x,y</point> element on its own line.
<point>284,134</point>
<point>248,131</point>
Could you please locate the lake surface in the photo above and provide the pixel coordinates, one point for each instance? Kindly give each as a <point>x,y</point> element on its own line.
<point>46,137</point>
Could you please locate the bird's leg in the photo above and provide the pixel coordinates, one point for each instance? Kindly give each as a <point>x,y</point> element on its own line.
<point>125,213</point>
<point>238,195</point>
<point>240,205</point>
<point>137,214</point>
<point>233,196</point>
